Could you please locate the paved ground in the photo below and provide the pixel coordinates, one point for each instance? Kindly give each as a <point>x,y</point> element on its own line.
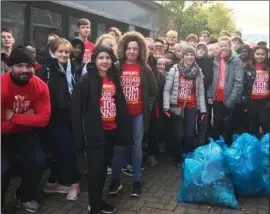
<point>160,186</point>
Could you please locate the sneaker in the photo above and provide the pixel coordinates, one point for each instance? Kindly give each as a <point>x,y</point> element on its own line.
<point>74,191</point>
<point>55,188</point>
<point>115,187</point>
<point>142,168</point>
<point>109,170</point>
<point>30,206</point>
<point>136,189</point>
<point>107,208</point>
<point>127,170</point>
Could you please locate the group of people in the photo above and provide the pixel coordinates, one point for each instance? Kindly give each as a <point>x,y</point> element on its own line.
<point>110,97</point>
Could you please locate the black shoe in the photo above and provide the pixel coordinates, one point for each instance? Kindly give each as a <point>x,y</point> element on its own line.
<point>115,187</point>
<point>127,170</point>
<point>136,189</point>
<point>107,208</point>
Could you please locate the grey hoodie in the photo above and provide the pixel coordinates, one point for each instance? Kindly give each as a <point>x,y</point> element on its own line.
<point>206,47</point>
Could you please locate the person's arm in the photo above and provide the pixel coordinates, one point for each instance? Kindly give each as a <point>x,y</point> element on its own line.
<point>151,82</point>
<point>238,84</point>
<point>76,111</point>
<point>42,110</point>
<point>168,88</point>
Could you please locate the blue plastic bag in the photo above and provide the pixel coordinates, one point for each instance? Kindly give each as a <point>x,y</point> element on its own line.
<point>206,178</point>
<point>244,159</point>
<point>265,162</point>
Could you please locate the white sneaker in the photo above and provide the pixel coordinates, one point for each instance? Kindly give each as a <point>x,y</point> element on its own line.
<point>73,192</point>
<point>109,171</point>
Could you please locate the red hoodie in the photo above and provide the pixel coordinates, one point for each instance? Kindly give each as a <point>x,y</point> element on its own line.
<point>34,95</point>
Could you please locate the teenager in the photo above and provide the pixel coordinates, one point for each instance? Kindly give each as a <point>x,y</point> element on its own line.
<point>59,76</point>
<point>183,96</point>
<point>258,106</point>
<point>240,114</point>
<point>206,64</point>
<point>100,118</point>
<point>7,42</point>
<point>226,89</point>
<point>172,38</point>
<point>192,40</point>
<point>158,48</point>
<point>84,28</point>
<point>25,107</point>
<point>115,33</point>
<point>76,57</point>
<point>31,46</point>
<point>139,86</point>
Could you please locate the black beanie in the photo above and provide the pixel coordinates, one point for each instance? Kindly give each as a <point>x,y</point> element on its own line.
<point>21,54</point>
<point>103,48</point>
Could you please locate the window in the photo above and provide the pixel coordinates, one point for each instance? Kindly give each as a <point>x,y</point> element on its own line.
<point>101,29</point>
<point>44,23</point>
<point>13,18</point>
<point>73,29</point>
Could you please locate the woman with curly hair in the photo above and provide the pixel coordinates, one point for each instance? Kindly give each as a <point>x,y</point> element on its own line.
<point>140,89</point>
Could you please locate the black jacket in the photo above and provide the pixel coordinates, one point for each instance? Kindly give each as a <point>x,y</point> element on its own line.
<point>78,61</point>
<point>59,92</point>
<point>249,78</point>
<point>206,64</point>
<point>86,118</point>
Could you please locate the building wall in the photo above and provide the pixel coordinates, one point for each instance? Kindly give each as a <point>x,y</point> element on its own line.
<point>33,20</point>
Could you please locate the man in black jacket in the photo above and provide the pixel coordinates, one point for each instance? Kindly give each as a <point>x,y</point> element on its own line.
<point>206,64</point>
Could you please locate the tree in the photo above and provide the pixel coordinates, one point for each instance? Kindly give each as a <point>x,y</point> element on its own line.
<point>219,18</point>
<point>174,10</point>
<point>188,17</point>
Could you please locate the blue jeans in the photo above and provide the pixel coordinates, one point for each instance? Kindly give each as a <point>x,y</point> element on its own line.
<point>121,155</point>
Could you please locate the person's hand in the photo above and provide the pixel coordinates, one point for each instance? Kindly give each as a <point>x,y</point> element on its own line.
<point>30,111</point>
<point>210,101</point>
<point>167,113</point>
<point>8,114</point>
<point>203,116</point>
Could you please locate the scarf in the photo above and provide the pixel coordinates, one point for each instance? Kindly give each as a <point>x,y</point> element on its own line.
<point>188,73</point>
<point>68,73</point>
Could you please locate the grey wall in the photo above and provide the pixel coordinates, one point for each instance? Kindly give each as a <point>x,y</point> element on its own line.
<point>134,13</point>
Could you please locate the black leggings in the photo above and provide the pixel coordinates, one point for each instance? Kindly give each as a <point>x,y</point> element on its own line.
<point>258,114</point>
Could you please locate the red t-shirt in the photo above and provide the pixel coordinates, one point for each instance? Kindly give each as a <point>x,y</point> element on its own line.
<point>37,66</point>
<point>186,93</point>
<point>89,47</point>
<point>260,89</point>
<point>107,105</point>
<point>35,95</point>
<point>131,85</point>
<point>221,80</point>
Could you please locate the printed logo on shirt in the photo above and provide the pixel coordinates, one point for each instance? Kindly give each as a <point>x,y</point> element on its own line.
<point>130,83</point>
<point>185,89</point>
<point>260,86</point>
<point>87,55</point>
<point>107,107</point>
<point>222,81</point>
<point>20,104</point>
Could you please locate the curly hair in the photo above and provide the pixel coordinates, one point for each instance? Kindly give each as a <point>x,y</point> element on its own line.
<point>132,36</point>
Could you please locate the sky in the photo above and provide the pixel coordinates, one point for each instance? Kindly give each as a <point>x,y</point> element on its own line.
<point>251,16</point>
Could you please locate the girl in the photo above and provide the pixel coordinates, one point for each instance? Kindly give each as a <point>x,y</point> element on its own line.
<point>259,93</point>
<point>100,118</point>
<point>58,74</point>
<point>107,39</point>
<point>183,95</point>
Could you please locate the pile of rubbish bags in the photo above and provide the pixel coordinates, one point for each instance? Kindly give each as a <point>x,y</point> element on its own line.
<point>215,173</point>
